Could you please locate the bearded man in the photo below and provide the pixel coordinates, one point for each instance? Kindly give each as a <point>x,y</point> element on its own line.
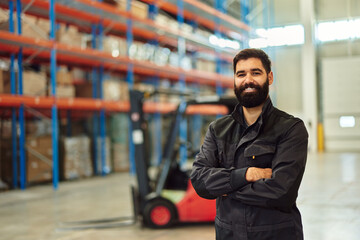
<point>252,161</point>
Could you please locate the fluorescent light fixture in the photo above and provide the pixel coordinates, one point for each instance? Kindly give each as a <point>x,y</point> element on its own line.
<point>338,30</point>
<point>279,36</point>
<point>347,121</point>
<point>224,43</point>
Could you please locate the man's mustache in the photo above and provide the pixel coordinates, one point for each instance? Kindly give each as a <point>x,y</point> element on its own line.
<point>249,85</point>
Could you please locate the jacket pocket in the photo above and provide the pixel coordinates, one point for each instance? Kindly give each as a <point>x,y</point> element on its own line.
<point>259,154</point>
<point>223,230</point>
<point>280,231</point>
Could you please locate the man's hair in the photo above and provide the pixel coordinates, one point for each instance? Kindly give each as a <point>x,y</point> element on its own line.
<point>253,53</point>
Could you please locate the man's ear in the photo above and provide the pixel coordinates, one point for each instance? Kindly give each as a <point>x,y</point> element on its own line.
<point>271,77</point>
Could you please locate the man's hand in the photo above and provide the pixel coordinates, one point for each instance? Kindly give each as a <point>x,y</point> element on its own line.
<point>253,173</point>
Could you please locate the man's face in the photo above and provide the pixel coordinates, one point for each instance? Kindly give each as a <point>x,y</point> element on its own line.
<point>251,82</point>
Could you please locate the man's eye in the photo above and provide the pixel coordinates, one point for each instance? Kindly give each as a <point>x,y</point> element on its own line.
<point>256,73</point>
<point>241,75</point>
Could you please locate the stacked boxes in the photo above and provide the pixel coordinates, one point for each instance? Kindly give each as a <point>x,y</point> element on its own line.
<point>76,157</point>
<point>119,139</point>
<point>31,26</point>
<point>114,90</point>
<point>70,36</point>
<point>34,83</point>
<point>6,161</point>
<point>120,157</point>
<point>39,159</point>
<point>116,46</point>
<point>138,8</point>
<point>4,81</point>
<point>64,82</point>
<point>107,168</point>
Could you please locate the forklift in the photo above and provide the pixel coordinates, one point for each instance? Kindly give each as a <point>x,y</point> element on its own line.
<point>152,205</point>
<point>169,197</point>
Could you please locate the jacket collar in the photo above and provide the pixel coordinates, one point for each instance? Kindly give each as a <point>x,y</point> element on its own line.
<point>238,114</point>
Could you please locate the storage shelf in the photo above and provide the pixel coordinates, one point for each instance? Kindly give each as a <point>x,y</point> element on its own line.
<point>100,19</point>
<point>84,13</point>
<point>90,104</point>
<point>10,43</point>
<point>204,15</point>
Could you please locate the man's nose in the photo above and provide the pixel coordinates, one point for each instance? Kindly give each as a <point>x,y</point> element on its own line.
<point>248,78</point>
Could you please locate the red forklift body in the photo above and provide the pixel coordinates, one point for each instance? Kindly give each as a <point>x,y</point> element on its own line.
<point>193,208</point>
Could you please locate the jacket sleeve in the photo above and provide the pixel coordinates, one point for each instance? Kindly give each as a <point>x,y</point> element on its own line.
<point>280,191</point>
<point>207,177</point>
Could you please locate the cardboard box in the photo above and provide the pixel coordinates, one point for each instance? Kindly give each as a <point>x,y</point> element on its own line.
<point>84,90</point>
<point>76,159</point>
<point>6,170</point>
<point>38,170</point>
<point>64,91</point>
<point>34,83</point>
<point>138,8</point>
<point>78,75</point>
<point>63,76</point>
<point>30,26</point>
<point>116,46</point>
<point>4,81</point>
<point>107,168</point>
<point>69,35</point>
<point>39,158</point>
<point>120,157</point>
<point>114,90</point>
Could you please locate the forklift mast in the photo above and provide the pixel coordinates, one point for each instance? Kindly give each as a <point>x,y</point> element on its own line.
<point>141,163</point>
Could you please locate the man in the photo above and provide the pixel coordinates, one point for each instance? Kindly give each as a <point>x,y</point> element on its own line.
<point>253,160</point>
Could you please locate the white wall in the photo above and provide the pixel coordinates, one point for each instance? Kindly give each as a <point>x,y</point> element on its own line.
<point>341,97</point>
<point>288,91</point>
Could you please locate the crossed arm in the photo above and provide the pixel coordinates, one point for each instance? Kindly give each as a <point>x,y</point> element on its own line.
<point>253,173</point>
<point>274,187</point>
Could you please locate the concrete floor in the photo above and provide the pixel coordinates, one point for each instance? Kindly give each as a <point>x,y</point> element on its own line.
<point>329,200</point>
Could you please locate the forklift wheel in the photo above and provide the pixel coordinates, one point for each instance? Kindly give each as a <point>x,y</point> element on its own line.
<point>159,213</point>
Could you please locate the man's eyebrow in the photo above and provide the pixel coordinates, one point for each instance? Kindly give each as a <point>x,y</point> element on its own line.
<point>256,69</point>
<point>252,70</point>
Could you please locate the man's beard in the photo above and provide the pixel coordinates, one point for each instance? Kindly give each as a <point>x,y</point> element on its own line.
<point>253,99</point>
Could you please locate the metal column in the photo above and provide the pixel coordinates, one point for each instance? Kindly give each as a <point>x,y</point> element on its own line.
<point>54,113</point>
<point>21,108</point>
<point>182,52</point>
<point>130,81</point>
<point>244,12</point>
<point>219,6</point>
<point>309,80</point>
<point>13,111</point>
<point>94,28</point>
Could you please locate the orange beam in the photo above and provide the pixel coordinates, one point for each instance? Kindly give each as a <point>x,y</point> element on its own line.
<point>9,100</point>
<point>90,104</point>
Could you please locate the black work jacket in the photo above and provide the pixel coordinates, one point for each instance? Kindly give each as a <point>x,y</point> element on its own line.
<point>265,209</point>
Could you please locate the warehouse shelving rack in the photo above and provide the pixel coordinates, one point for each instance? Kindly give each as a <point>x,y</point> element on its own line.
<point>86,14</point>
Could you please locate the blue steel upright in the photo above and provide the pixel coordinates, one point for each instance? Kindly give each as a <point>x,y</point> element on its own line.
<point>181,52</point>
<point>130,81</point>
<point>54,113</point>
<point>13,110</point>
<point>94,82</point>
<point>219,5</point>
<point>21,108</point>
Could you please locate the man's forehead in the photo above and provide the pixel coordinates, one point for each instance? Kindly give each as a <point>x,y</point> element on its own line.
<point>249,64</point>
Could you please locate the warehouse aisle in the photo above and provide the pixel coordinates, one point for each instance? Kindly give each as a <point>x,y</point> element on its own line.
<point>329,200</point>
